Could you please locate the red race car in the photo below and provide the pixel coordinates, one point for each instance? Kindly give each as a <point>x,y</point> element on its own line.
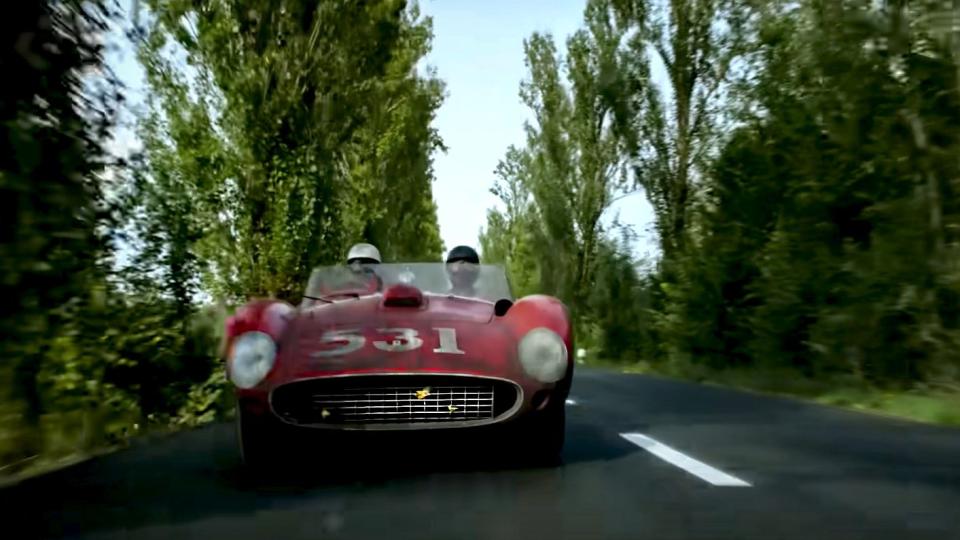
<point>392,348</point>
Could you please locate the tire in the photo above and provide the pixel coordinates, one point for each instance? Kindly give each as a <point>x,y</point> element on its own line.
<point>256,441</point>
<point>546,436</point>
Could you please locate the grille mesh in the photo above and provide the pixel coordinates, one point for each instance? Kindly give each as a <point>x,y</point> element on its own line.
<point>421,401</point>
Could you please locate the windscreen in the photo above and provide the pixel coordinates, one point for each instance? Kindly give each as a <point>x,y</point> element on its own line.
<point>483,281</point>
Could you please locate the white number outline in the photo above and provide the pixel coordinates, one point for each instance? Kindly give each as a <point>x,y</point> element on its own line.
<point>354,342</point>
<point>448,341</point>
<point>403,340</point>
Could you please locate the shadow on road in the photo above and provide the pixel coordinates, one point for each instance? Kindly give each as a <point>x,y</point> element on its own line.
<point>195,475</point>
<point>395,457</point>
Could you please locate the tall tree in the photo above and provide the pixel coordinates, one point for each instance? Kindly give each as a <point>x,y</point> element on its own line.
<point>573,164</point>
<point>391,158</point>
<point>306,119</point>
<point>511,235</point>
<point>671,133</point>
<point>51,192</point>
<point>827,245</point>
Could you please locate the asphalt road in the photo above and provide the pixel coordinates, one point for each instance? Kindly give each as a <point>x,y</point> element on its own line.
<point>701,462</point>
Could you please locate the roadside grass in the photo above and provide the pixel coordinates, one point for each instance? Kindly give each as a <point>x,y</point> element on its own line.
<point>928,405</point>
<point>61,439</point>
<point>65,438</point>
<point>936,408</point>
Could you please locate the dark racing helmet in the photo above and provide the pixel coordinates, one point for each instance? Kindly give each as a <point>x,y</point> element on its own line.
<point>463,253</point>
<point>463,268</point>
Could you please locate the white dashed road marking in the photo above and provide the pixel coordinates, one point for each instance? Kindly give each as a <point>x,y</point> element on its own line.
<point>685,462</point>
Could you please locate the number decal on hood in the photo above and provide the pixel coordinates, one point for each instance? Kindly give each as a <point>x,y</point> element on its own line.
<point>352,341</point>
<point>448,341</point>
<point>406,339</point>
<point>400,340</point>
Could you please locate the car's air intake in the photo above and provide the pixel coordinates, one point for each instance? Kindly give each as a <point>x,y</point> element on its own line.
<point>394,401</point>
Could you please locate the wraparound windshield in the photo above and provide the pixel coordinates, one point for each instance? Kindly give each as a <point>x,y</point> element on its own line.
<point>491,281</point>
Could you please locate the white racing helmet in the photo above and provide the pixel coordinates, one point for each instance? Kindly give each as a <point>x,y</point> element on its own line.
<point>364,253</point>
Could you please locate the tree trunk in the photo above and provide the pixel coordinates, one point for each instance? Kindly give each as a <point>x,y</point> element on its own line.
<point>683,79</point>
<point>581,285</point>
<point>29,440</point>
<point>955,42</point>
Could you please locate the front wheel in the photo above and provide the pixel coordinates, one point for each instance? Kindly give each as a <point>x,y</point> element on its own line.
<point>256,440</point>
<point>546,436</point>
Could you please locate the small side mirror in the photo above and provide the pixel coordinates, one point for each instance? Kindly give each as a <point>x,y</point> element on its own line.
<point>501,307</point>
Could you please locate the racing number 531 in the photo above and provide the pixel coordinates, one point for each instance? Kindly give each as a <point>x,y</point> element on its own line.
<point>400,340</point>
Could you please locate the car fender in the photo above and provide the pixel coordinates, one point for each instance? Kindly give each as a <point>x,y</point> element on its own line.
<point>261,315</point>
<point>540,310</point>
<point>269,316</point>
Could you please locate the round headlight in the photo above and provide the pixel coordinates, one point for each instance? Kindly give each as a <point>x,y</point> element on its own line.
<point>543,355</point>
<point>252,358</point>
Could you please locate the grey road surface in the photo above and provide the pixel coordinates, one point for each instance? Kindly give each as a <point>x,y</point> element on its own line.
<point>646,458</point>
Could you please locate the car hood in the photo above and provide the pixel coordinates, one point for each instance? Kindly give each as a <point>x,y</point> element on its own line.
<point>444,335</point>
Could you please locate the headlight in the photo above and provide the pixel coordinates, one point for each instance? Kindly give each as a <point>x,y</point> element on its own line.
<point>543,355</point>
<point>252,358</point>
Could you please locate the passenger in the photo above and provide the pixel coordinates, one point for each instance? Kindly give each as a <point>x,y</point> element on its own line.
<point>463,270</point>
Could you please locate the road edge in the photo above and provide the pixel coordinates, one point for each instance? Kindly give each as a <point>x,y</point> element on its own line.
<point>72,460</point>
<point>625,370</point>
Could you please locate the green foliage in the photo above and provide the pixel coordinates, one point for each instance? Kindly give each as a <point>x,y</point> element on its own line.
<point>620,303</point>
<point>558,187</point>
<point>54,211</point>
<point>205,402</point>
<point>808,228</point>
<point>829,247</point>
<point>298,129</point>
<point>511,236</point>
<point>275,134</point>
<point>391,158</point>
<point>670,136</point>
<point>605,119</point>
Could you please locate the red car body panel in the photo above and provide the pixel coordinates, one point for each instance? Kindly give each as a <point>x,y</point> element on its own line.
<point>488,342</point>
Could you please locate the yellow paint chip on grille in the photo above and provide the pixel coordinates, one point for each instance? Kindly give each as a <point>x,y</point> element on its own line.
<point>451,408</point>
<point>324,413</point>
<point>422,394</point>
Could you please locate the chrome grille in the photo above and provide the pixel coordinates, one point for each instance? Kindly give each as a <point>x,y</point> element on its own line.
<point>423,399</point>
<point>404,404</point>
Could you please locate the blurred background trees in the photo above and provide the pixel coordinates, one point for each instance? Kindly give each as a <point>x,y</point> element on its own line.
<point>801,159</point>
<point>274,135</point>
<point>55,218</point>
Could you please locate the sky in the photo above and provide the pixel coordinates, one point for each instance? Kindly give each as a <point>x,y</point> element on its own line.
<point>478,52</point>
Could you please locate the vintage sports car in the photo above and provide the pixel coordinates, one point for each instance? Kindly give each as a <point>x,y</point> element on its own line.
<point>389,348</point>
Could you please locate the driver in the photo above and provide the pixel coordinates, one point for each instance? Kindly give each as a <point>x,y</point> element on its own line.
<point>363,253</point>
<point>360,260</point>
<point>463,269</point>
